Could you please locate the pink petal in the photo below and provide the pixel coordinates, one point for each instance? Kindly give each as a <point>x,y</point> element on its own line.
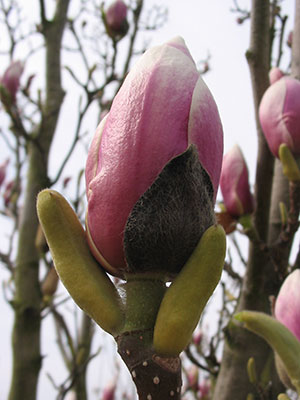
<point>287,306</point>
<point>234,184</point>
<point>279,115</point>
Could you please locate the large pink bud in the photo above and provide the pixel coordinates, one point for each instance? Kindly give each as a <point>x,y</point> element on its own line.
<point>279,115</point>
<point>11,79</point>
<point>287,305</point>
<point>116,20</point>
<point>234,184</point>
<point>162,109</point>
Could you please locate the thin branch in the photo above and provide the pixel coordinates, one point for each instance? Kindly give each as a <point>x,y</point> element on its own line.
<point>234,275</point>
<point>283,21</point>
<point>43,12</point>
<point>62,327</point>
<point>73,145</point>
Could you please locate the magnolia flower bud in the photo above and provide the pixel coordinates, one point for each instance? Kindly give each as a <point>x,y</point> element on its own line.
<point>289,41</point>
<point>8,193</point>
<point>153,167</point>
<point>109,392</point>
<point>275,74</point>
<point>192,375</point>
<point>279,115</point>
<point>204,389</point>
<point>287,306</point>
<point>197,337</point>
<point>234,184</point>
<point>287,311</point>
<point>11,79</point>
<point>115,19</point>
<point>3,167</point>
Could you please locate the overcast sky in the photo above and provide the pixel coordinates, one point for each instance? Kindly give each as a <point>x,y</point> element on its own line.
<point>208,27</point>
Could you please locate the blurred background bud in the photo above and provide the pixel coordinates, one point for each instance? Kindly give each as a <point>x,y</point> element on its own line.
<point>204,389</point>
<point>287,305</point>
<point>109,392</point>
<point>192,375</point>
<point>115,20</point>
<point>10,80</point>
<point>289,41</point>
<point>287,311</point>
<point>3,167</point>
<point>197,337</point>
<point>234,184</point>
<point>279,115</point>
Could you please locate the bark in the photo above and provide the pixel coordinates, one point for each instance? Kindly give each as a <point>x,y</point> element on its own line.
<point>27,301</point>
<point>155,377</point>
<point>83,356</point>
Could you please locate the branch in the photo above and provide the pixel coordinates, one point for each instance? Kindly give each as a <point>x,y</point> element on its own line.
<point>42,12</point>
<point>137,14</point>
<point>26,335</point>
<point>259,63</point>
<point>296,43</point>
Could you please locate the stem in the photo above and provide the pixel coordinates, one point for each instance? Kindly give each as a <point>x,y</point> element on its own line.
<point>83,354</point>
<point>155,377</point>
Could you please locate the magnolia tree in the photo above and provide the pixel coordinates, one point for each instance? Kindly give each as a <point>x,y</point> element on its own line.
<point>153,246</point>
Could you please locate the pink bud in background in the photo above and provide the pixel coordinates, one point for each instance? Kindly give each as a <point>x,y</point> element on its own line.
<point>8,192</point>
<point>197,337</point>
<point>192,376</point>
<point>109,392</point>
<point>275,74</point>
<point>162,108</point>
<point>71,395</point>
<point>116,20</point>
<point>11,79</point>
<point>289,41</point>
<point>66,181</point>
<point>287,305</point>
<point>279,115</point>
<point>204,389</point>
<point>3,167</point>
<point>234,184</point>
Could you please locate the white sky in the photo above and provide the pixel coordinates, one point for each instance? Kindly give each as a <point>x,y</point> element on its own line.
<point>207,27</point>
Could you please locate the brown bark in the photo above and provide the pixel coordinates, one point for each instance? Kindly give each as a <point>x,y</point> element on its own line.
<point>27,301</point>
<point>155,377</point>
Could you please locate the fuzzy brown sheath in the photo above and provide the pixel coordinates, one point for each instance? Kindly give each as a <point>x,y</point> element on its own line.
<point>168,220</point>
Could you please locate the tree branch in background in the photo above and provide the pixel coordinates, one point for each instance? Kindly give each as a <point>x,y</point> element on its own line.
<point>27,302</point>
